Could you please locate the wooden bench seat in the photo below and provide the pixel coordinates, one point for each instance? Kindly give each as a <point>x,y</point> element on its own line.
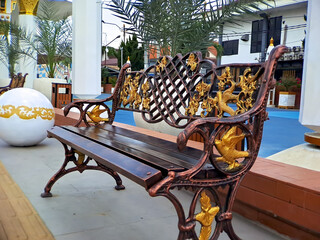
<point>226,105</point>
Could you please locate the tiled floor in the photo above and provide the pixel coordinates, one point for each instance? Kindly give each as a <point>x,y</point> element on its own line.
<point>86,206</point>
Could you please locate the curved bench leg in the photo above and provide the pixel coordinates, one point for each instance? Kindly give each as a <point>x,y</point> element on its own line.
<point>229,230</point>
<point>215,214</point>
<point>226,218</point>
<point>81,165</point>
<point>211,227</point>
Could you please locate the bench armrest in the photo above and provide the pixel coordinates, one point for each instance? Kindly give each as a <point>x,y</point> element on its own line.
<point>204,124</point>
<point>91,110</point>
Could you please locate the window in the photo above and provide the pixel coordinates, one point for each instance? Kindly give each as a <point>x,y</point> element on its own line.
<point>274,30</point>
<point>256,36</point>
<point>230,47</point>
<point>2,5</point>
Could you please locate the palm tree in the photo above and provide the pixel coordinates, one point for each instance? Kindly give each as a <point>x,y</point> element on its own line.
<point>52,40</point>
<point>180,25</point>
<point>10,47</point>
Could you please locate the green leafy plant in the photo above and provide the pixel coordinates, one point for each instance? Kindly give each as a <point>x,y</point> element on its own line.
<point>289,84</point>
<point>130,49</point>
<point>10,45</point>
<point>104,75</point>
<point>113,81</point>
<point>52,41</point>
<point>180,26</point>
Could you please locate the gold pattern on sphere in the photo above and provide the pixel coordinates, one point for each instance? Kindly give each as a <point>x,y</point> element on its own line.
<point>26,113</point>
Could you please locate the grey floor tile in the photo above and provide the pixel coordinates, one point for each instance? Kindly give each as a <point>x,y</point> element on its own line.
<point>87,207</point>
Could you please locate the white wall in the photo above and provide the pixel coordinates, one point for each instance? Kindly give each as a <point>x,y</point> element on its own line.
<point>309,110</point>
<point>291,16</point>
<point>4,73</point>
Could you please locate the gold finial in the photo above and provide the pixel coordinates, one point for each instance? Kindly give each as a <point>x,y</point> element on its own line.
<point>29,7</point>
<point>271,42</point>
<point>128,58</point>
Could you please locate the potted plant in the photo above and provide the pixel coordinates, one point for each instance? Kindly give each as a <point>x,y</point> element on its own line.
<point>105,86</point>
<point>10,41</point>
<point>287,89</point>
<point>52,41</point>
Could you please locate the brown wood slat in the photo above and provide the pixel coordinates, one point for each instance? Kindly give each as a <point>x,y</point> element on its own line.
<point>137,171</point>
<point>190,154</point>
<point>160,158</point>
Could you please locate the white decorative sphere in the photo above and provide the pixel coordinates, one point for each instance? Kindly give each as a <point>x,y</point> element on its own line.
<point>25,117</point>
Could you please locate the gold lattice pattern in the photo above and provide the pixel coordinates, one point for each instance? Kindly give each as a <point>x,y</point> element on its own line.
<point>26,113</point>
<point>206,216</point>
<point>225,95</point>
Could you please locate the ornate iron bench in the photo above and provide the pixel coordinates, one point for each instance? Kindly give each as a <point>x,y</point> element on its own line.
<point>188,93</point>
<point>16,82</point>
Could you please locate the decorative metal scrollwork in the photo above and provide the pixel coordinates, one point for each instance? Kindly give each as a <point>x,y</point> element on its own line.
<point>206,216</point>
<point>225,95</point>
<point>248,85</point>
<point>146,100</point>
<point>80,159</point>
<point>192,62</point>
<point>95,113</point>
<point>130,93</point>
<point>226,146</point>
<point>202,89</point>
<point>161,65</point>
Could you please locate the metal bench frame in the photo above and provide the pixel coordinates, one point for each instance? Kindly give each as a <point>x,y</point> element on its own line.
<point>190,93</point>
<point>15,82</point>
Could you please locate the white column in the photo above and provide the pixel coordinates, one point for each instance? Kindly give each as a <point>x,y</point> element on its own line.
<point>28,64</point>
<point>86,48</point>
<point>310,100</point>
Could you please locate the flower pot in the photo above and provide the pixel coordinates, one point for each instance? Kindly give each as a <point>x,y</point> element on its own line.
<point>107,87</point>
<point>287,99</point>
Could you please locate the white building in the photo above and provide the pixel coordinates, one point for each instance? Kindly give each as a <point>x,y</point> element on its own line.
<point>285,23</point>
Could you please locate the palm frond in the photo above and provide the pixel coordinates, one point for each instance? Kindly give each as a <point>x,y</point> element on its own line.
<point>181,25</point>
